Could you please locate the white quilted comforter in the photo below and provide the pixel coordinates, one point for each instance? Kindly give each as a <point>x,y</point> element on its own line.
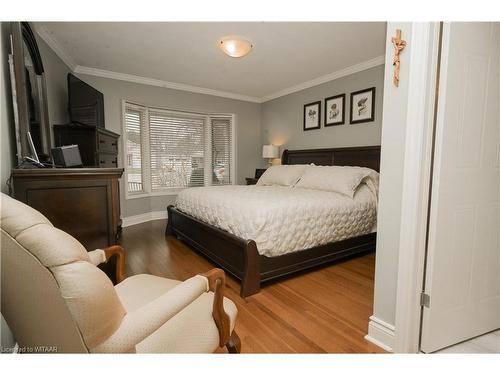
<point>282,219</point>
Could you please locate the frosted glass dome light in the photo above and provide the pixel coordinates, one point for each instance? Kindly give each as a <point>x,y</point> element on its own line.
<point>235,46</point>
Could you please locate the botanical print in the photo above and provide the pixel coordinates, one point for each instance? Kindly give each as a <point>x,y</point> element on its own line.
<point>334,110</point>
<point>312,113</point>
<point>363,106</point>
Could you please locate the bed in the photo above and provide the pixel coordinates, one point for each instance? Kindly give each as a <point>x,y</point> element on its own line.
<point>256,233</point>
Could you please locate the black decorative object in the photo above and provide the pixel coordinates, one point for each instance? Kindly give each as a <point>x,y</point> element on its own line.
<point>335,110</point>
<point>312,113</point>
<point>363,106</point>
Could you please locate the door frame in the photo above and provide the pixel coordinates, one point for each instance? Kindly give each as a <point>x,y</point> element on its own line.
<point>425,60</point>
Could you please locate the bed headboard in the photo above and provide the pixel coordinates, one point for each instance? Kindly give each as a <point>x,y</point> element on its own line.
<point>367,156</point>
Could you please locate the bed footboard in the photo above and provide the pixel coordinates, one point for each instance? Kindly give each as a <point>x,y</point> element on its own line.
<point>237,256</point>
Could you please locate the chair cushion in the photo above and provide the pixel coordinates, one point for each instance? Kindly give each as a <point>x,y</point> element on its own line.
<point>90,296</point>
<point>16,216</point>
<point>138,290</point>
<point>193,330</point>
<point>52,246</point>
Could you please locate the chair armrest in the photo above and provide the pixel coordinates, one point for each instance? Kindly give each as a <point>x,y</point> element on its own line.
<point>141,323</point>
<point>99,256</point>
<point>120,261</point>
<point>216,283</point>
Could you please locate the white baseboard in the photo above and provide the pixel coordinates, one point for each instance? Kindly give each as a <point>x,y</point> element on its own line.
<point>143,218</point>
<point>381,333</point>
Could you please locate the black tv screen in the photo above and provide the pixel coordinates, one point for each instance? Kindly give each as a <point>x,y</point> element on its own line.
<point>86,104</point>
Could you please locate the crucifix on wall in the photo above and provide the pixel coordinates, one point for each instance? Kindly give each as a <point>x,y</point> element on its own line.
<point>399,44</point>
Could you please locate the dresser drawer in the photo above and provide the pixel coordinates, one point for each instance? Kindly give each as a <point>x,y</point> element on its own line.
<point>107,143</point>
<point>107,160</point>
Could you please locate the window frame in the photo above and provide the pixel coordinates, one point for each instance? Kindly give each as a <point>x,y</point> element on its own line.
<point>146,155</point>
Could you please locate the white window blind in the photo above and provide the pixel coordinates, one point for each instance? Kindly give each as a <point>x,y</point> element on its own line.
<point>221,150</point>
<point>134,120</point>
<point>169,150</point>
<point>176,149</point>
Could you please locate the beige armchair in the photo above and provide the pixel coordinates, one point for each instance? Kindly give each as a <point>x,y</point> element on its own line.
<point>54,298</point>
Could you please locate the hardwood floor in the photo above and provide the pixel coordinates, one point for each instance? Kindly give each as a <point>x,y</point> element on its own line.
<point>321,311</point>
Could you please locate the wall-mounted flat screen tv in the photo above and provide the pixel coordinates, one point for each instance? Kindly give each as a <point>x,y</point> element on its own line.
<point>86,104</point>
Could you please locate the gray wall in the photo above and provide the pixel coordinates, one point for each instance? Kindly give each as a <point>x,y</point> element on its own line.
<point>57,88</point>
<point>248,137</point>
<point>282,117</point>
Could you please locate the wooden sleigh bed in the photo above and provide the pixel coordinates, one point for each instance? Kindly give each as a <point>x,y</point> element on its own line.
<point>240,257</point>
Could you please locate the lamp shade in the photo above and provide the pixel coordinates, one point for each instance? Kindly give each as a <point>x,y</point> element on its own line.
<point>270,151</point>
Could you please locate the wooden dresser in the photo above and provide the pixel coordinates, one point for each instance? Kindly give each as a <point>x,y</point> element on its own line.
<point>84,202</point>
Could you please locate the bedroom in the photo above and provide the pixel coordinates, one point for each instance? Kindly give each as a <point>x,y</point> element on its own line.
<point>265,165</point>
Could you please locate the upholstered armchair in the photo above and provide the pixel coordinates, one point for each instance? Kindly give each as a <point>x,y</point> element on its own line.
<point>55,298</point>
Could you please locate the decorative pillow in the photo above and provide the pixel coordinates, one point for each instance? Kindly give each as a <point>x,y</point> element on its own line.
<point>343,180</point>
<point>285,175</point>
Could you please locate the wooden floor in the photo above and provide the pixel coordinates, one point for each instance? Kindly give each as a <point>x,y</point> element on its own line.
<point>321,311</point>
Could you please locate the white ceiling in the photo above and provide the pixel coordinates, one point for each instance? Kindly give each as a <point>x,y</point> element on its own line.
<point>285,54</point>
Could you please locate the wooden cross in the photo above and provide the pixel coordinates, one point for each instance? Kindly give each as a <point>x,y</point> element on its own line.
<point>399,45</point>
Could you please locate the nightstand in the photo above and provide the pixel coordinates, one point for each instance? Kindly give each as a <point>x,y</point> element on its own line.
<point>251,180</point>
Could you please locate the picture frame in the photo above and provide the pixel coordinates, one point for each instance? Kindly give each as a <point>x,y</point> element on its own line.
<point>362,106</point>
<point>311,116</point>
<point>334,110</point>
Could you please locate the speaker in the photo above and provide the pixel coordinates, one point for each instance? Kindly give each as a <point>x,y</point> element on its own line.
<point>67,156</point>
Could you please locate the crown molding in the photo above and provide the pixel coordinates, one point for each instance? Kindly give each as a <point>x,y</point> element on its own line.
<point>56,47</point>
<point>70,62</point>
<point>379,60</point>
<point>160,83</point>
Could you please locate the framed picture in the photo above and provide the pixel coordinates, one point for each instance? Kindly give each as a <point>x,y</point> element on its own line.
<point>335,110</point>
<point>363,106</point>
<point>312,113</point>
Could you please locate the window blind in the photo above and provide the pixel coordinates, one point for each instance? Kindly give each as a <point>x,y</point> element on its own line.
<point>221,139</point>
<point>133,127</point>
<point>177,156</point>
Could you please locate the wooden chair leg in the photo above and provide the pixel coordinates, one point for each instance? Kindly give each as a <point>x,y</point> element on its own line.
<point>233,345</point>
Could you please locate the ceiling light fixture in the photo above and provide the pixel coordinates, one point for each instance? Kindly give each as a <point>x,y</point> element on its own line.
<point>235,46</point>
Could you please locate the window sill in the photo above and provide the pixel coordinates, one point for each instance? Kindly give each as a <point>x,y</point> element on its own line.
<point>172,192</point>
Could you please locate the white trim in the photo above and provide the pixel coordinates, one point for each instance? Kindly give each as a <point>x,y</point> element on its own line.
<point>143,218</point>
<point>161,83</point>
<point>59,50</point>
<point>47,38</point>
<point>416,181</point>
<point>379,60</point>
<point>381,333</point>
<point>233,165</point>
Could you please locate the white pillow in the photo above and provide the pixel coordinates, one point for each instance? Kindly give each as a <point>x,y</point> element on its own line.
<point>343,180</point>
<point>285,175</point>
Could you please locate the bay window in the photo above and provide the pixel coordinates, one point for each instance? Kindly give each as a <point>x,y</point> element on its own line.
<point>167,150</point>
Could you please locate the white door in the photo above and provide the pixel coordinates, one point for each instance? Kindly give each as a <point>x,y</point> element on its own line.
<point>463,259</point>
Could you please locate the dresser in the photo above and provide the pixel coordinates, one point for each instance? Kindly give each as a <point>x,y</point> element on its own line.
<point>98,146</point>
<point>84,202</point>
